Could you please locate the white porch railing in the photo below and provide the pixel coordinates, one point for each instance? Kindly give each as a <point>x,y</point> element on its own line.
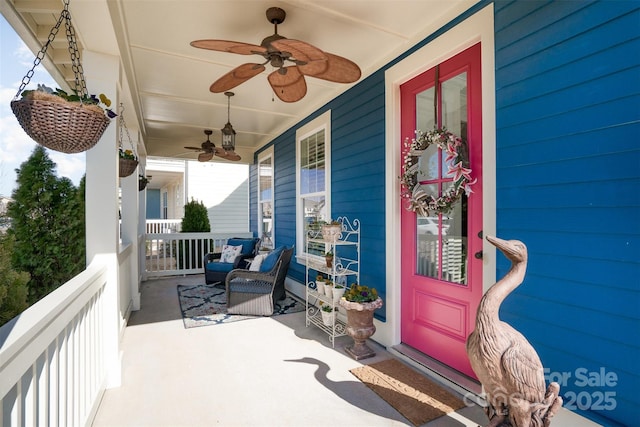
<point>156,226</point>
<point>59,355</point>
<point>169,254</point>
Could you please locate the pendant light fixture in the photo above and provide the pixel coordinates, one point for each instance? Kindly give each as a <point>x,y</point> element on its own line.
<point>228,134</point>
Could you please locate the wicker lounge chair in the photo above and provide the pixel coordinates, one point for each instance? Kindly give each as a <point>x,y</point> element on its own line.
<point>255,292</point>
<point>216,271</point>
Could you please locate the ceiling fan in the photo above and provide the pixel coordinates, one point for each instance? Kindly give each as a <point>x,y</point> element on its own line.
<point>208,149</point>
<point>287,81</point>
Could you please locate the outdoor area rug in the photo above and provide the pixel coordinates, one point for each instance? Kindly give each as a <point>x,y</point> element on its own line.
<point>417,398</point>
<point>203,305</point>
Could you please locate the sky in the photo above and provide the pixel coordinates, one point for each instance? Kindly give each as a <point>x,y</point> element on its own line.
<point>15,145</point>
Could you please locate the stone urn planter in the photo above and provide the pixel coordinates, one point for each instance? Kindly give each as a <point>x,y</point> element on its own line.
<point>331,232</point>
<point>360,326</point>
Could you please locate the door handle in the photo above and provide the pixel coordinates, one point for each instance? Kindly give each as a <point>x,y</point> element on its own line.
<point>478,255</point>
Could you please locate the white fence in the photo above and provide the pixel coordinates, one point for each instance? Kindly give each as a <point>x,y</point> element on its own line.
<point>157,226</point>
<point>169,254</point>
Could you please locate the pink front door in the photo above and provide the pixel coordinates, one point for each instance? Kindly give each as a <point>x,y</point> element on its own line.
<point>442,253</point>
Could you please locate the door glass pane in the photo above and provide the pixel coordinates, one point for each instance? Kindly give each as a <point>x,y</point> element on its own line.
<point>441,251</point>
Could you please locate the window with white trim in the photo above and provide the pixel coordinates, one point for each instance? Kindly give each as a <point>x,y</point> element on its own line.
<point>265,199</point>
<point>313,178</point>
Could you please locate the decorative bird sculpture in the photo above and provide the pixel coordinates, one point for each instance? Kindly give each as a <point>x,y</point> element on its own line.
<point>506,363</point>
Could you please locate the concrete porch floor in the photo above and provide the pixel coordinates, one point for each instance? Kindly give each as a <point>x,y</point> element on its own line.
<point>272,371</point>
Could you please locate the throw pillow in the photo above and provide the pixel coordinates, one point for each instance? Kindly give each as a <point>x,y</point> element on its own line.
<point>257,262</point>
<point>229,253</point>
<point>270,261</point>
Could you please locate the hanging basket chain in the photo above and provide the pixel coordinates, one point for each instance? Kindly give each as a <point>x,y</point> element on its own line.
<point>76,66</point>
<point>124,129</point>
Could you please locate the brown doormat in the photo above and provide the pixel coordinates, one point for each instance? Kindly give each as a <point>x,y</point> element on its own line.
<point>417,398</point>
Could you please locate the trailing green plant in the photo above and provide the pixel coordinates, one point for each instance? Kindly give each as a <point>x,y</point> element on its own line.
<point>361,293</point>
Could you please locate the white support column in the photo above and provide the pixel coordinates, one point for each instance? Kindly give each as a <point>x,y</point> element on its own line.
<point>101,73</point>
<point>142,224</point>
<point>129,227</point>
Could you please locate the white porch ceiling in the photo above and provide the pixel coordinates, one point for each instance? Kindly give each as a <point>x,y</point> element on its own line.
<point>169,80</point>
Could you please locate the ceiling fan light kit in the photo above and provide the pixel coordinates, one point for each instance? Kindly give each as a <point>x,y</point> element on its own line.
<point>208,148</point>
<point>228,134</point>
<point>287,81</point>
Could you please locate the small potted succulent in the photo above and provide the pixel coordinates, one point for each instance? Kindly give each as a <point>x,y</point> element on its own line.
<point>329,259</point>
<point>320,281</point>
<point>338,292</point>
<point>328,288</point>
<point>328,314</point>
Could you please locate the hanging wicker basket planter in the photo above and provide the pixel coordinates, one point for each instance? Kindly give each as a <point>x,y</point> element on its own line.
<point>127,167</point>
<point>68,127</point>
<point>69,123</point>
<point>142,182</point>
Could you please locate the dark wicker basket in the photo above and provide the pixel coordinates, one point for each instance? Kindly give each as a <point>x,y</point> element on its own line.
<point>142,184</point>
<point>127,167</point>
<point>61,126</point>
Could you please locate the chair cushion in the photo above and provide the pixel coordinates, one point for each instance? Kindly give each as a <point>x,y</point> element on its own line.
<point>248,244</point>
<point>271,259</point>
<point>257,262</point>
<point>219,266</point>
<point>230,252</point>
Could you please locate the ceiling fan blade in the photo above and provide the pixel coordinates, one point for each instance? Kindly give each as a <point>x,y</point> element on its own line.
<point>236,76</point>
<point>205,157</point>
<point>229,46</point>
<point>219,152</point>
<point>316,59</point>
<point>289,87</point>
<point>233,156</point>
<point>339,70</point>
<point>194,148</point>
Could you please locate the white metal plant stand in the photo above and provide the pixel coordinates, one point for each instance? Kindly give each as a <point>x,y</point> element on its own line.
<point>345,271</point>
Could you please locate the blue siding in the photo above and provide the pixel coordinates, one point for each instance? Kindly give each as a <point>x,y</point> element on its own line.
<point>568,172</point>
<point>153,205</point>
<point>357,176</point>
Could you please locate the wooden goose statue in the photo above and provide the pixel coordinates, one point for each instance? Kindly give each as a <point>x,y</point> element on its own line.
<point>506,363</point>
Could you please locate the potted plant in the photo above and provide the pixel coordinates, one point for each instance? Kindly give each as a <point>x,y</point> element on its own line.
<point>360,302</point>
<point>128,162</point>
<point>329,259</point>
<point>338,292</point>
<point>69,123</point>
<point>331,231</point>
<point>320,280</point>
<point>328,288</point>
<point>328,314</point>
<point>142,182</point>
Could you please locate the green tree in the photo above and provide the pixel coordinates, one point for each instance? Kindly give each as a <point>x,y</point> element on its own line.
<point>195,218</point>
<point>13,284</point>
<point>47,223</point>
